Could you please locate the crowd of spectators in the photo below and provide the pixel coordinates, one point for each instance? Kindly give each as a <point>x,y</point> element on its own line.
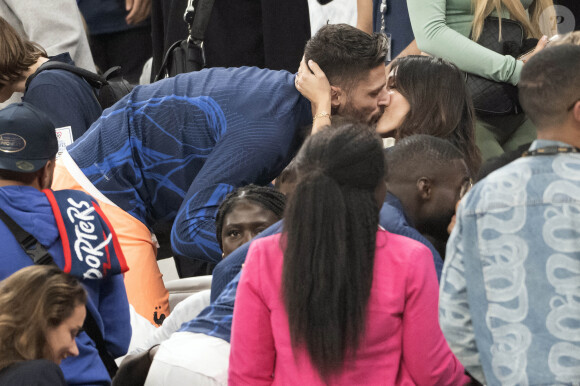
<point>322,254</point>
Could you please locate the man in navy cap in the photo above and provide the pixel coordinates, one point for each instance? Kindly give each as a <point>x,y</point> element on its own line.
<point>71,228</point>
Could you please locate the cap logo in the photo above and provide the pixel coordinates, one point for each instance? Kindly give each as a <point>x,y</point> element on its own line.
<point>25,166</point>
<point>11,143</point>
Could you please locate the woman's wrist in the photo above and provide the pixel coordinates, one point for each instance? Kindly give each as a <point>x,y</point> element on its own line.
<point>322,107</point>
<point>321,115</point>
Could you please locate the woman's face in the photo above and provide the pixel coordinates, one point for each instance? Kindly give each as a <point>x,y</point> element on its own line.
<point>244,221</point>
<point>61,339</point>
<point>395,111</point>
<point>6,91</point>
<point>9,88</point>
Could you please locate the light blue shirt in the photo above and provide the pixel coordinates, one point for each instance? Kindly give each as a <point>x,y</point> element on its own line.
<point>509,301</point>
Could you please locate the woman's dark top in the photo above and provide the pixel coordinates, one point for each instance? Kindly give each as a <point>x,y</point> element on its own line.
<point>32,373</point>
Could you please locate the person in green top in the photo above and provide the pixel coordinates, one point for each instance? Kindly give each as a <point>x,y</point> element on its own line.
<point>442,28</point>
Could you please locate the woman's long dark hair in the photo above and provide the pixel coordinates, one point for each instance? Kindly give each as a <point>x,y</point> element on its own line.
<point>440,104</point>
<point>329,245</point>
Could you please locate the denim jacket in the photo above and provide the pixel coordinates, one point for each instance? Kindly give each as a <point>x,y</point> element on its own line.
<point>509,302</point>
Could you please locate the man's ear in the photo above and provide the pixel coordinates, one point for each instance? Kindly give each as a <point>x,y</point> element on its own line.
<point>46,175</point>
<point>424,188</point>
<point>337,97</point>
<point>575,111</point>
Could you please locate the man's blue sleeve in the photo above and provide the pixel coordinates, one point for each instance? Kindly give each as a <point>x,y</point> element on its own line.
<point>239,158</point>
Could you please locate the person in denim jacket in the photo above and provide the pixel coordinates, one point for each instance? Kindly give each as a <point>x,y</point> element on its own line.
<point>510,289</point>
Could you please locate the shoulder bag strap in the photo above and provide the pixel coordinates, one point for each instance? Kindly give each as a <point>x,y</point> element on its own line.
<point>95,80</point>
<point>200,20</point>
<point>29,243</point>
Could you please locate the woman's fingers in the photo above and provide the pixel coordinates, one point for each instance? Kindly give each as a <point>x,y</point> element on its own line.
<point>316,70</point>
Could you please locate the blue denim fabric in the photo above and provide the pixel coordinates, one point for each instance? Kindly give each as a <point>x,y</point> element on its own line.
<point>510,289</point>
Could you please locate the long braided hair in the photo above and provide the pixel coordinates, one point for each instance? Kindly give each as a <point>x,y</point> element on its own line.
<point>329,235</point>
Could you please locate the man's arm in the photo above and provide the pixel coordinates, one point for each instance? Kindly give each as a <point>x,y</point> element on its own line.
<point>454,314</point>
<point>239,158</point>
<point>364,15</point>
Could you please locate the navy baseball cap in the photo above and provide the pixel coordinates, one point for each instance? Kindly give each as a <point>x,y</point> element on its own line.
<point>27,138</point>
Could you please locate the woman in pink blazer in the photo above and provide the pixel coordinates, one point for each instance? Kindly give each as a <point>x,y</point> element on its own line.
<point>333,299</point>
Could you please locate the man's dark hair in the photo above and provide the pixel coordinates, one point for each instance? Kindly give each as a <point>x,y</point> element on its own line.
<point>440,104</point>
<point>24,178</point>
<point>330,231</point>
<point>268,198</point>
<point>550,84</point>
<point>345,53</point>
<point>408,154</point>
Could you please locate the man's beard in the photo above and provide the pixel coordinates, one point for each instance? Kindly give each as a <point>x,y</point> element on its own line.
<point>349,111</point>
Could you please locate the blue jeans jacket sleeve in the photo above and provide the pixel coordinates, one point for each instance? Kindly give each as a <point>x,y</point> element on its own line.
<point>454,315</point>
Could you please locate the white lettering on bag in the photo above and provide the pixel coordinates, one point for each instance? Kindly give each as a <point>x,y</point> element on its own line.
<point>81,214</point>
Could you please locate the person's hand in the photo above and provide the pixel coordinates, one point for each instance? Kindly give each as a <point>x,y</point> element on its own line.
<point>542,43</point>
<point>312,83</point>
<point>139,10</point>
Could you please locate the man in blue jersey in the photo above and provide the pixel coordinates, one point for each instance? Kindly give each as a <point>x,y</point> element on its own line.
<point>169,152</point>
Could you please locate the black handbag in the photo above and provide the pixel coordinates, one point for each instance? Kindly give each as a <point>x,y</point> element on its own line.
<point>491,97</point>
<point>188,55</point>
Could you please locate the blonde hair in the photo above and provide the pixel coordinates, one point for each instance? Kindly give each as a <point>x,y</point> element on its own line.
<point>33,300</point>
<point>535,25</point>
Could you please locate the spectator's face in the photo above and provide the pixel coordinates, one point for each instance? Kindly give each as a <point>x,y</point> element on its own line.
<point>61,339</point>
<point>244,221</point>
<point>6,91</point>
<point>395,111</point>
<point>448,184</point>
<point>9,88</point>
<point>366,100</point>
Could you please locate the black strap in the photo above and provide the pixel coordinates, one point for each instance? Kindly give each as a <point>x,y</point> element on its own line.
<point>200,19</point>
<point>41,256</point>
<point>95,80</point>
<point>94,332</point>
<point>29,244</point>
<point>196,16</point>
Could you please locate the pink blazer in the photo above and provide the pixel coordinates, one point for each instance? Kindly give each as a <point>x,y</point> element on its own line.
<point>402,345</point>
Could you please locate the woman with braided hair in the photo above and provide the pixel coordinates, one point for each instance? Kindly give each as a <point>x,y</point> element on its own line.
<point>244,213</point>
<point>334,299</point>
